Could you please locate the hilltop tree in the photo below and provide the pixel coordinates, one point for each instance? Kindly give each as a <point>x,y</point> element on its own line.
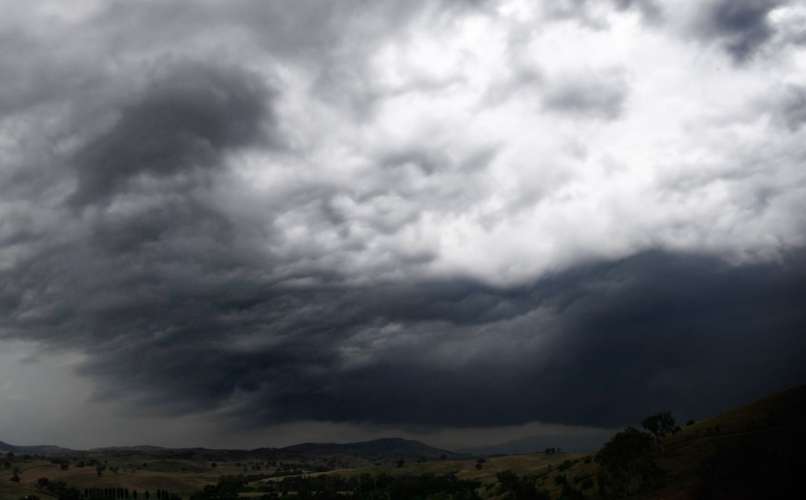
<point>660,424</point>
<point>628,464</point>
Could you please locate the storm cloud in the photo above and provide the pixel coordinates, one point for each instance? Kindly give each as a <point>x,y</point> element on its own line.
<point>420,215</point>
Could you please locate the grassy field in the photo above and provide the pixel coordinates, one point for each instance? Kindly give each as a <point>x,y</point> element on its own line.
<point>181,477</point>
<point>466,469</point>
<point>186,477</point>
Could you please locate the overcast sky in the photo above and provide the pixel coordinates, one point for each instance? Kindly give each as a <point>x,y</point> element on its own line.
<point>251,223</point>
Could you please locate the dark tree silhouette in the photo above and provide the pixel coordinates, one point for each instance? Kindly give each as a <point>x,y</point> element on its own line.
<point>660,424</point>
<point>628,464</point>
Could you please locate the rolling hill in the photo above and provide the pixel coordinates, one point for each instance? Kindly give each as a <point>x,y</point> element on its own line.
<point>386,448</point>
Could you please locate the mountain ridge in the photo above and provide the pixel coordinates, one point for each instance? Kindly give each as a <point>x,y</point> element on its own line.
<point>381,447</point>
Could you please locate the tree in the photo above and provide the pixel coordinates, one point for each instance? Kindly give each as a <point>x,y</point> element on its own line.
<point>520,487</point>
<point>628,464</point>
<point>660,424</point>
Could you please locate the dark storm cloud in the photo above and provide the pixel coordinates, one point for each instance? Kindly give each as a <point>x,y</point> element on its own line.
<point>187,119</point>
<point>657,330</point>
<point>641,328</point>
<point>740,26</point>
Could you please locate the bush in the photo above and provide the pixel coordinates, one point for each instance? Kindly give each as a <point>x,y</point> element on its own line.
<point>628,464</point>
<point>569,493</point>
<point>520,487</point>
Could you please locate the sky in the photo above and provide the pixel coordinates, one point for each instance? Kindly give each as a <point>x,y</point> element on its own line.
<point>250,223</point>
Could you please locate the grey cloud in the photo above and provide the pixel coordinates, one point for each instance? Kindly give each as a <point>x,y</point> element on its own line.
<point>740,26</point>
<point>647,7</point>
<point>110,55</point>
<point>650,10</point>
<point>599,96</point>
<point>311,31</point>
<point>187,119</point>
<point>791,107</point>
<point>432,161</point>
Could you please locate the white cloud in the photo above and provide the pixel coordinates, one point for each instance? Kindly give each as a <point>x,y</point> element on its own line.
<point>671,169</point>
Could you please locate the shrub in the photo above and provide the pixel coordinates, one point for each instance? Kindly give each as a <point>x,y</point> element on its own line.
<point>628,464</point>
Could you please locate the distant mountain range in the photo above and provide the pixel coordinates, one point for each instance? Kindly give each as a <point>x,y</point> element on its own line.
<point>577,441</point>
<point>35,450</point>
<point>386,448</point>
<point>534,444</point>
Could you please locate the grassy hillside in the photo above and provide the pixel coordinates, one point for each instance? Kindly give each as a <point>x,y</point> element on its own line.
<point>755,451</point>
